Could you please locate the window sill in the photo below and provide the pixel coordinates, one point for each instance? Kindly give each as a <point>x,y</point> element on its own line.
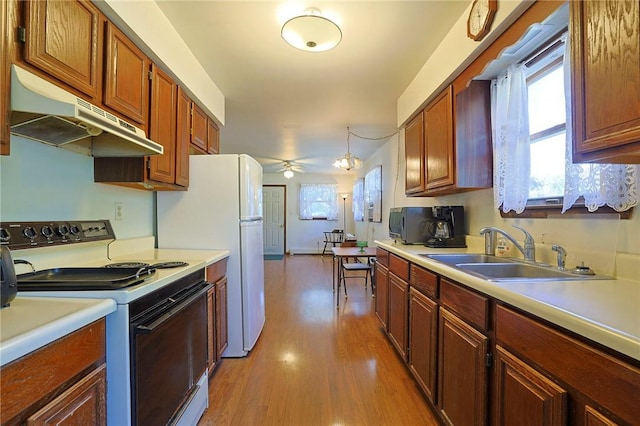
<point>544,212</point>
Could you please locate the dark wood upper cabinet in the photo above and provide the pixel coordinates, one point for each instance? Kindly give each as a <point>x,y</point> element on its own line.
<point>439,144</point>
<point>414,155</point>
<point>162,125</point>
<point>4,81</point>
<point>183,137</point>
<point>213,137</point>
<point>605,56</point>
<point>198,127</point>
<point>64,39</point>
<point>126,77</point>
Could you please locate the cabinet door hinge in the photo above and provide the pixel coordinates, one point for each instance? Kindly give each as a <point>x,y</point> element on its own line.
<point>148,163</point>
<point>150,74</point>
<point>489,360</point>
<point>22,34</point>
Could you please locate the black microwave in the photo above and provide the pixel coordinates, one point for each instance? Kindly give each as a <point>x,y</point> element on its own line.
<point>410,224</point>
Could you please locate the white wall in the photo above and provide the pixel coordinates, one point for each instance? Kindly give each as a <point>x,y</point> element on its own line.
<point>39,182</point>
<point>307,236</point>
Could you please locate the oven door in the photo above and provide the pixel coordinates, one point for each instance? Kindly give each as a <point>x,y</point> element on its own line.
<point>169,355</point>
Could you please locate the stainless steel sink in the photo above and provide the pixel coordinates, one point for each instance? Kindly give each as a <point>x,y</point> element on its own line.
<point>492,268</point>
<point>455,258</point>
<point>514,271</point>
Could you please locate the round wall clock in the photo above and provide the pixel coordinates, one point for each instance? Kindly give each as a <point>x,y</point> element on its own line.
<point>480,18</point>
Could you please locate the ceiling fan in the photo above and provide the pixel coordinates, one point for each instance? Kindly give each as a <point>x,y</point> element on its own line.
<point>289,168</point>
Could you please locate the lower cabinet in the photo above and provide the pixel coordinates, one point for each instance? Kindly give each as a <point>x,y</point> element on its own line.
<point>382,293</point>
<point>216,314</point>
<point>67,383</point>
<point>423,337</point>
<point>398,313</point>
<point>462,372</point>
<point>524,393</point>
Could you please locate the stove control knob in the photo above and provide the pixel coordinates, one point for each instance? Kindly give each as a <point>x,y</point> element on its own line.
<point>29,232</point>
<point>75,230</point>
<point>4,235</point>
<point>62,230</point>
<point>47,232</point>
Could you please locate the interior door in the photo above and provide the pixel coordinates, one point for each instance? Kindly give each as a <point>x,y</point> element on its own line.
<point>273,199</point>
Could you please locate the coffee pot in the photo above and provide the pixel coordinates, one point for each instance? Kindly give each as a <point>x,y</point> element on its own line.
<point>447,227</point>
<point>8,280</point>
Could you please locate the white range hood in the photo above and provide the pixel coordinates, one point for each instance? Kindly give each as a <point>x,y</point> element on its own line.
<point>46,113</point>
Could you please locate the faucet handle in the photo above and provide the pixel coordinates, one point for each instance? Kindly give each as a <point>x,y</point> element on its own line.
<point>528,238</point>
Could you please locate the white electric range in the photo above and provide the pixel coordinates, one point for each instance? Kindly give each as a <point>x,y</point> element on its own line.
<point>140,331</point>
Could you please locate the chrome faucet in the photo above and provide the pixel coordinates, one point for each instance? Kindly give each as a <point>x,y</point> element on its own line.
<point>562,255</point>
<point>528,251</point>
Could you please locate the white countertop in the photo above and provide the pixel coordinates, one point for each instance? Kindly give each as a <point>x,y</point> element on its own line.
<point>35,319</point>
<point>32,322</point>
<point>605,311</point>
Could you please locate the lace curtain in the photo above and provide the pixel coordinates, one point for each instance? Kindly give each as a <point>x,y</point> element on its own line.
<point>357,204</point>
<point>613,185</point>
<point>318,201</point>
<point>511,151</point>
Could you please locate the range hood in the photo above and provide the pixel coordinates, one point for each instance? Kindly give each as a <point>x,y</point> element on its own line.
<point>46,113</point>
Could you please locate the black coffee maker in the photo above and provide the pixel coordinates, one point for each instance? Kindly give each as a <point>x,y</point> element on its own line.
<point>447,227</point>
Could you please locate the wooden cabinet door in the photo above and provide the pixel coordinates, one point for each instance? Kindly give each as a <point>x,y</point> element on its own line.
<point>212,343</point>
<point>606,80</point>
<point>64,39</point>
<point>439,149</point>
<point>213,137</point>
<point>126,77</point>
<point>222,334</point>
<point>593,417</point>
<point>162,125</point>
<point>82,404</point>
<point>462,372</point>
<point>524,396</point>
<point>4,81</point>
<point>183,137</point>
<point>198,127</point>
<point>382,294</point>
<point>398,313</point>
<point>414,155</point>
<point>423,336</point>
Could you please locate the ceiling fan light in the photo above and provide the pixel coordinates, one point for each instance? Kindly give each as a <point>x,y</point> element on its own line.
<point>311,32</point>
<point>288,174</point>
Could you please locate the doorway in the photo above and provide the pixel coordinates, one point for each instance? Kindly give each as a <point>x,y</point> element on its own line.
<point>274,202</point>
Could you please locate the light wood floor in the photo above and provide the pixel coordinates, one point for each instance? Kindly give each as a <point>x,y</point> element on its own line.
<point>313,364</point>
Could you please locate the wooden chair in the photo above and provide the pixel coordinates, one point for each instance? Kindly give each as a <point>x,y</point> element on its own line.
<point>334,238</point>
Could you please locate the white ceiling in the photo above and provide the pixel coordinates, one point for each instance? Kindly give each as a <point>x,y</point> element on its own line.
<point>287,104</point>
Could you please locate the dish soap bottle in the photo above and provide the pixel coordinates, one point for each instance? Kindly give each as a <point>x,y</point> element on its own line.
<point>503,247</point>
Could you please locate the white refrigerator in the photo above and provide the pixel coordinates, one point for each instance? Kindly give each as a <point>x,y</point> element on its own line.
<point>223,210</point>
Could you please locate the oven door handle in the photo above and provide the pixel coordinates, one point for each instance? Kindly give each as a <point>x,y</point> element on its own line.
<point>148,328</point>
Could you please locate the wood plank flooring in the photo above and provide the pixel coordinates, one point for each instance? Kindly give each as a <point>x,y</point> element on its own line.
<point>313,364</point>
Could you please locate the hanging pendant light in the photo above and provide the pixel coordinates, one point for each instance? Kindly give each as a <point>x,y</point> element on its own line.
<point>349,161</point>
<point>288,172</point>
<point>311,32</point>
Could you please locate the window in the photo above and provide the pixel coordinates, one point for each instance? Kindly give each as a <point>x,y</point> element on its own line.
<point>547,127</point>
<point>318,201</point>
<point>373,194</point>
<point>357,205</point>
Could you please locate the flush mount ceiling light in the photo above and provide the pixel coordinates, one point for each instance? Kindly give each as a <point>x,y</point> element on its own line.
<point>311,32</point>
<point>288,172</point>
<point>349,161</point>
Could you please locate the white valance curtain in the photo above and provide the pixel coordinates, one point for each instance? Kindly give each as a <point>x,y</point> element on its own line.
<point>319,201</point>
<point>613,185</point>
<point>511,151</point>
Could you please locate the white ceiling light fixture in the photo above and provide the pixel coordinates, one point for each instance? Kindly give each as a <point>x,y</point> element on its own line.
<point>311,32</point>
<point>288,172</point>
<point>349,161</point>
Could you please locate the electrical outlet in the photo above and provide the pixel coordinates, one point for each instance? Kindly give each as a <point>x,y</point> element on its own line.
<point>119,211</point>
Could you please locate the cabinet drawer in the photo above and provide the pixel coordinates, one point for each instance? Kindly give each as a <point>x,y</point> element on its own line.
<point>424,280</point>
<point>470,306</point>
<point>399,266</point>
<point>382,257</point>
<point>599,376</point>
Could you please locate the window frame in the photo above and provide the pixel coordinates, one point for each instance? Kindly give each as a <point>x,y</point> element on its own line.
<point>331,200</point>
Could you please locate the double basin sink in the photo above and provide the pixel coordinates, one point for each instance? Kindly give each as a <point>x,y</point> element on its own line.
<point>492,268</point>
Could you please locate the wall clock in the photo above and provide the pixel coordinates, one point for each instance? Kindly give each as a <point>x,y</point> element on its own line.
<point>480,18</point>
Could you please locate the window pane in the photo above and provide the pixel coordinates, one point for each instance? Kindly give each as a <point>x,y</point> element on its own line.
<point>546,101</point>
<point>547,167</point>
